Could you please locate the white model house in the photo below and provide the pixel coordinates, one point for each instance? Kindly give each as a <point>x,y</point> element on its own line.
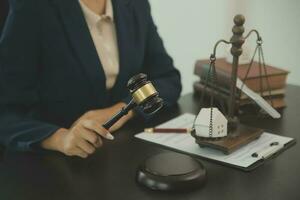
<point>202,123</point>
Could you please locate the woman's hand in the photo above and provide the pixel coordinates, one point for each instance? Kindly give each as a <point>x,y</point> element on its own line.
<point>81,140</point>
<point>86,134</point>
<point>103,115</point>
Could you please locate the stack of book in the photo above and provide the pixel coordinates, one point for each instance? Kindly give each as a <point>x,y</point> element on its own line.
<point>271,85</point>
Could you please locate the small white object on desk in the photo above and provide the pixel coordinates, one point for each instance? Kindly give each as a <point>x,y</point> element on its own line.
<point>258,99</point>
<point>210,123</point>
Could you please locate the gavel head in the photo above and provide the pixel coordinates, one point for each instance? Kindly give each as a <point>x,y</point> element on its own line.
<point>144,94</point>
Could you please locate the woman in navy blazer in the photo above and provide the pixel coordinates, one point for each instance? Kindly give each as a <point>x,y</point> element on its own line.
<point>52,85</point>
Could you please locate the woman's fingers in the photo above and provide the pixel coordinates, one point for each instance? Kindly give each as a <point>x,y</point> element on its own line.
<point>99,142</point>
<point>86,147</point>
<point>84,138</point>
<point>80,153</point>
<point>94,126</point>
<point>91,137</point>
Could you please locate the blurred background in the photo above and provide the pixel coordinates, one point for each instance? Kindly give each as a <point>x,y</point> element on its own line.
<point>190,28</point>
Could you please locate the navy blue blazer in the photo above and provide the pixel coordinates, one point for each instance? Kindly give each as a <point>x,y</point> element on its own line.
<point>50,73</point>
<point>3,13</point>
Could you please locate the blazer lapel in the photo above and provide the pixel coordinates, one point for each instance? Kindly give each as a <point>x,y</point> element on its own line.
<point>81,41</point>
<point>125,33</point>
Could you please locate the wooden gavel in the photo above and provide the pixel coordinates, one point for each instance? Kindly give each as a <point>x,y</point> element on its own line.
<point>144,95</point>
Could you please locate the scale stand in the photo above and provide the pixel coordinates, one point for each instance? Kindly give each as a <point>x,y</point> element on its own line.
<point>238,134</point>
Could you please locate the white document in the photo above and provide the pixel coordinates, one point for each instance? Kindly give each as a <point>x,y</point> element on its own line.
<point>186,143</point>
<point>258,99</point>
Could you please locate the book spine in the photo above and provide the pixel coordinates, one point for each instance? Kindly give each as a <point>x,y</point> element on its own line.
<point>224,79</point>
<point>200,89</point>
<point>275,82</point>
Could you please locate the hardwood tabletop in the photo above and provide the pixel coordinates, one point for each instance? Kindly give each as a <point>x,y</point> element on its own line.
<point>110,172</point>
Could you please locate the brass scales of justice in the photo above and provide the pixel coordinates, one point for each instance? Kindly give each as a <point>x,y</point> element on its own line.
<point>238,134</point>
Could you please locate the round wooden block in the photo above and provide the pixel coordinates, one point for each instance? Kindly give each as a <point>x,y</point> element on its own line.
<point>171,172</point>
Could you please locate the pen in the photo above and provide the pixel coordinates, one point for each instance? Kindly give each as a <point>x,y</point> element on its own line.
<point>167,130</point>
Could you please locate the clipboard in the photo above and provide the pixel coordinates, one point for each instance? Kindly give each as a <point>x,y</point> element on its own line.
<point>248,158</point>
<point>271,157</point>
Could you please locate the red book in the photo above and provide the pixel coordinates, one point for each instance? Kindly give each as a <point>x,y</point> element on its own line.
<point>277,99</point>
<point>276,77</point>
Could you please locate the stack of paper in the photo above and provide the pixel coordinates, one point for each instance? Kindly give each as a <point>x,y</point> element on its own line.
<point>186,143</point>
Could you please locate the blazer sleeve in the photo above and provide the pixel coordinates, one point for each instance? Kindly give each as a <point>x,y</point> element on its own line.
<point>158,65</point>
<point>19,65</point>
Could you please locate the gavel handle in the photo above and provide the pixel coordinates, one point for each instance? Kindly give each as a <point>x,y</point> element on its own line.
<point>124,111</point>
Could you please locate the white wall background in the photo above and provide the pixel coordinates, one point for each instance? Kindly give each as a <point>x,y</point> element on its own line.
<point>191,27</point>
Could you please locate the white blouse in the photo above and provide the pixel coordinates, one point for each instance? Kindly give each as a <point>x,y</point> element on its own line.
<point>103,31</point>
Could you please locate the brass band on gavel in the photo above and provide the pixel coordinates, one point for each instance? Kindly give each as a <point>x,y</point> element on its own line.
<point>143,93</point>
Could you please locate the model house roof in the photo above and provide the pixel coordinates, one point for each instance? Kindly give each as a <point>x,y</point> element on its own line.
<point>204,116</point>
